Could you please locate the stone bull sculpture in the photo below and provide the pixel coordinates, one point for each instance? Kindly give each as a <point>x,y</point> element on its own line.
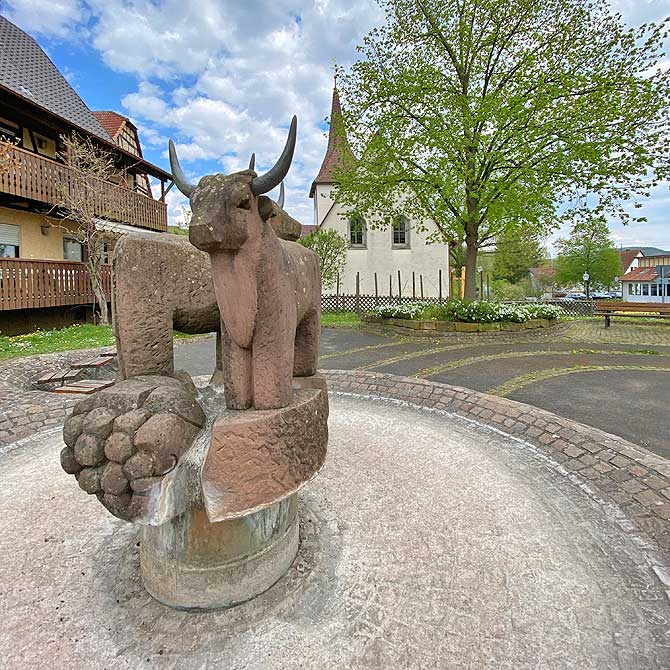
<point>161,283</point>
<point>268,289</point>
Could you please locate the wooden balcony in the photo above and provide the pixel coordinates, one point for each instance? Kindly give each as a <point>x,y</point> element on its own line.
<point>29,284</point>
<point>37,178</point>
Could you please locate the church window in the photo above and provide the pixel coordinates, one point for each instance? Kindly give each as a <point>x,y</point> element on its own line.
<point>400,232</point>
<point>357,234</point>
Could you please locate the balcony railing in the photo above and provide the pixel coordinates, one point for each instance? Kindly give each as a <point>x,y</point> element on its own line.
<point>38,178</point>
<point>28,284</point>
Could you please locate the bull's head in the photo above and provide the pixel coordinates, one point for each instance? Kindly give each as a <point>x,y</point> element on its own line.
<point>228,209</point>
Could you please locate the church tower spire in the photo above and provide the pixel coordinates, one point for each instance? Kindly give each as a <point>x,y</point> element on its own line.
<point>337,146</point>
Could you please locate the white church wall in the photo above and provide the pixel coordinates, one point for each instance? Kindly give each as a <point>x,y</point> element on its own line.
<point>379,256</point>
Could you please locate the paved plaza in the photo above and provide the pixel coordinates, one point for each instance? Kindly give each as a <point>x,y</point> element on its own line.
<point>615,379</point>
<point>427,542</point>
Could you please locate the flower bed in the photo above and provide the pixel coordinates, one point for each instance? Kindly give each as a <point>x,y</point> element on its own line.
<point>467,316</point>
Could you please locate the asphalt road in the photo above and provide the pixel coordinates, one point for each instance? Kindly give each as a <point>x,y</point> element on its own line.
<point>617,387</point>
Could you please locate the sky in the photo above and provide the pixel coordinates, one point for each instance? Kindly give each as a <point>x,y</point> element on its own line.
<point>223,78</point>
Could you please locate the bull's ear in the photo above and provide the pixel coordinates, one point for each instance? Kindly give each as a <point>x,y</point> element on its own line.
<point>265,207</point>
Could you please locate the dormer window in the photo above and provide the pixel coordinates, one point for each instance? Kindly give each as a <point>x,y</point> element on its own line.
<point>400,233</point>
<point>357,232</point>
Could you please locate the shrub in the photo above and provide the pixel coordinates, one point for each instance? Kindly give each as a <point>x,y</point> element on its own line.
<point>469,311</point>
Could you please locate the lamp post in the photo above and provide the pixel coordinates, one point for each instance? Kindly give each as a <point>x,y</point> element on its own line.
<point>480,269</point>
<point>586,278</point>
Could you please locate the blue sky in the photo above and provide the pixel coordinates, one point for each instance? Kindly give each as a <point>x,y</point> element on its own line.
<point>224,77</point>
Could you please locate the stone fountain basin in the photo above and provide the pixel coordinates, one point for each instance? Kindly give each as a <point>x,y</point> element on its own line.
<point>426,542</point>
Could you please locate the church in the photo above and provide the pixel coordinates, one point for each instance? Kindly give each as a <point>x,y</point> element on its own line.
<point>394,260</point>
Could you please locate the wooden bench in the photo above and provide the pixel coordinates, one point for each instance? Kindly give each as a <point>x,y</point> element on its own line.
<point>657,310</point>
<point>85,386</point>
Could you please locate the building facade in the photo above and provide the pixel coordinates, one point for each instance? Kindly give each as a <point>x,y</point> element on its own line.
<point>391,261</point>
<point>40,257</point>
<point>649,281</point>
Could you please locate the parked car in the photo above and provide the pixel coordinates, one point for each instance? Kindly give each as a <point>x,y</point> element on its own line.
<point>601,295</point>
<point>575,296</point>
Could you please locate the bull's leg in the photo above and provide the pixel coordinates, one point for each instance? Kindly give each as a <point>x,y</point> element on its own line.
<point>217,378</point>
<point>237,375</point>
<point>273,361</point>
<point>144,340</point>
<point>306,356</point>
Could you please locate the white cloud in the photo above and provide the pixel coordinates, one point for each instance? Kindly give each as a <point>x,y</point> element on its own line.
<point>50,17</point>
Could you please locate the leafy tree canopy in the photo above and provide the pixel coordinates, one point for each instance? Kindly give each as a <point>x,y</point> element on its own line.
<point>516,252</point>
<point>484,114</point>
<point>331,248</point>
<point>588,249</point>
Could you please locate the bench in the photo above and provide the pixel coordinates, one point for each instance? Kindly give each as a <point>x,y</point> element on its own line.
<point>656,310</point>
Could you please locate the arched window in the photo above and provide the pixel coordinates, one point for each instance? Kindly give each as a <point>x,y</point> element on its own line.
<point>357,236</point>
<point>400,232</point>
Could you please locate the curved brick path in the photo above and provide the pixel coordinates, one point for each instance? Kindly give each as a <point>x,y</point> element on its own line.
<point>429,541</point>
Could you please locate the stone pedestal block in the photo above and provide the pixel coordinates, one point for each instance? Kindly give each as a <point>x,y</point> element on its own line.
<point>190,563</point>
<point>260,457</point>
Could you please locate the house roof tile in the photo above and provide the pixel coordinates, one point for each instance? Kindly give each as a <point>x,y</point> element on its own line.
<point>641,274</point>
<point>112,122</point>
<point>28,72</point>
<point>627,257</point>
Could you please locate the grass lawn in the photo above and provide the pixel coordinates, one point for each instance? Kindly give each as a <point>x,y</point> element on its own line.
<point>339,319</point>
<point>81,336</point>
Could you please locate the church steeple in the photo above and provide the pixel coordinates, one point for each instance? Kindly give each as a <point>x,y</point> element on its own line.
<point>337,147</point>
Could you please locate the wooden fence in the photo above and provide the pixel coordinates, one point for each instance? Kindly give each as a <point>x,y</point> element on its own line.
<point>28,284</point>
<point>38,178</point>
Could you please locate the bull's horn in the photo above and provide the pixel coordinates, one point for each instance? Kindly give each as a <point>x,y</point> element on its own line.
<point>252,162</point>
<point>280,201</point>
<point>178,174</point>
<point>270,179</point>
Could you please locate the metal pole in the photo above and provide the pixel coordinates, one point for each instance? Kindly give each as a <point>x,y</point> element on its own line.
<point>358,293</point>
<point>390,286</point>
<point>481,285</point>
<point>421,285</point>
<point>488,288</point>
<point>440,284</point>
<point>413,286</point>
<point>376,291</point>
<point>399,288</point>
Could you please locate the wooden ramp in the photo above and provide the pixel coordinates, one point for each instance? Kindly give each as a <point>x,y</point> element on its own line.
<point>85,386</point>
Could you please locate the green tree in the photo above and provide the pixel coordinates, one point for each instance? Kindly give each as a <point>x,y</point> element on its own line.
<point>588,249</point>
<point>486,114</point>
<point>515,254</point>
<point>331,248</point>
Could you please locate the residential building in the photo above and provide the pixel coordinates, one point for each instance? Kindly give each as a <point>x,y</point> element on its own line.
<point>629,259</point>
<point>40,259</point>
<point>387,261</point>
<point>649,281</point>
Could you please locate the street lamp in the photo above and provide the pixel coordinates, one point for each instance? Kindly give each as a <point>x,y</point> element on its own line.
<point>586,276</point>
<point>480,269</point>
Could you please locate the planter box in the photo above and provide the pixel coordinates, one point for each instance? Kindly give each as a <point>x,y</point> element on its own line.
<point>464,327</point>
<point>510,326</point>
<point>489,327</point>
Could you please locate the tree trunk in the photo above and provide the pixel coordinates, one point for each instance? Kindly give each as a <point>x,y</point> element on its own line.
<point>471,250</point>
<point>99,293</point>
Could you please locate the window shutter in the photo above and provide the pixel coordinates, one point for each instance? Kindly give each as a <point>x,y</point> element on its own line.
<point>9,234</point>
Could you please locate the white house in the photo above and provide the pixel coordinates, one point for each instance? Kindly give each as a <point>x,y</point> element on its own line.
<point>630,259</point>
<point>649,281</point>
<point>378,253</point>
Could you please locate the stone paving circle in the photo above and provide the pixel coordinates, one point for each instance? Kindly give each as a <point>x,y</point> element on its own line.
<point>437,536</point>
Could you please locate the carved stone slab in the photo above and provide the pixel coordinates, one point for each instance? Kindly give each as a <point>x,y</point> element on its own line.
<point>259,457</point>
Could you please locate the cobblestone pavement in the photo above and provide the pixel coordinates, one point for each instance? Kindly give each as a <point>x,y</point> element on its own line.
<point>430,541</point>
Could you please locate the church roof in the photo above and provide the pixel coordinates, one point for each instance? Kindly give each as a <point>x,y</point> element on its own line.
<point>337,147</point>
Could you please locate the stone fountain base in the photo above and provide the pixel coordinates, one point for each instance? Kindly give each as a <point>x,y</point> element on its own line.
<point>191,564</point>
<point>223,526</point>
